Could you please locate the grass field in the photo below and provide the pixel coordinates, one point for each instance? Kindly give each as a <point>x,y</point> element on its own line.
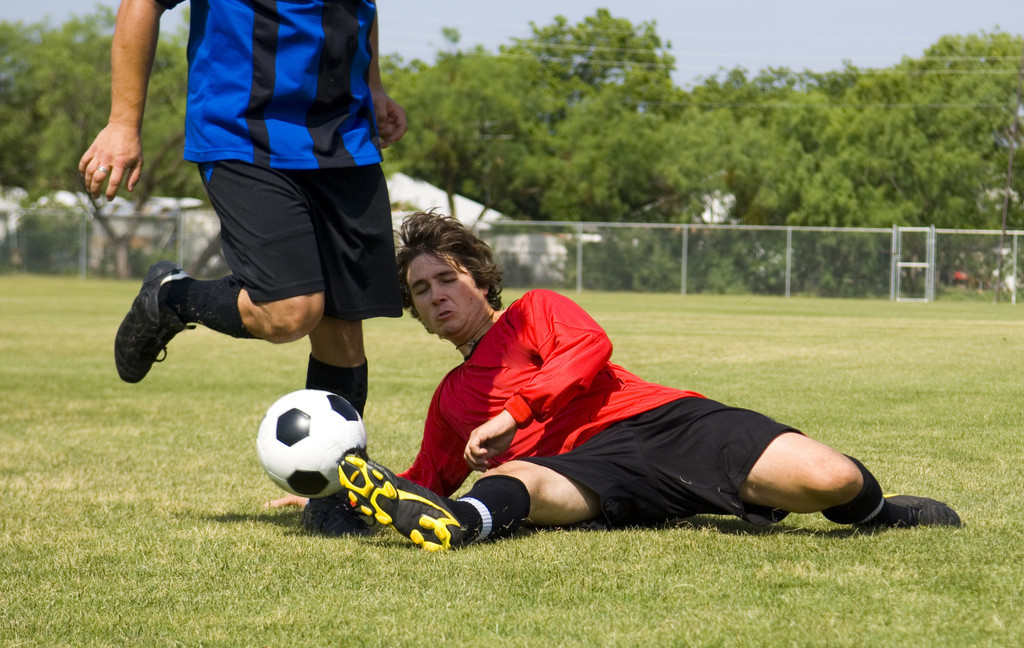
<point>131,515</point>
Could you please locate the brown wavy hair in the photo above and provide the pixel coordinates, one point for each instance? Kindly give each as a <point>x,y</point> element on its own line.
<point>430,232</point>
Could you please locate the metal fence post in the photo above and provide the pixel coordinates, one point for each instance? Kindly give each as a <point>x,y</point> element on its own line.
<point>929,285</point>
<point>789,257</point>
<point>686,240</point>
<point>181,237</point>
<point>579,257</point>
<point>83,245</point>
<point>1013,293</point>
<point>894,259</point>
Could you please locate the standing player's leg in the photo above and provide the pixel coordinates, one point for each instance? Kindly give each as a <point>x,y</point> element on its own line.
<point>276,289</point>
<point>170,301</point>
<point>337,360</point>
<point>149,325</point>
<point>351,215</point>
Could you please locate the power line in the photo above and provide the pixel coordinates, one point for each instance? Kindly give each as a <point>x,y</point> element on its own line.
<point>781,105</point>
<point>568,47</point>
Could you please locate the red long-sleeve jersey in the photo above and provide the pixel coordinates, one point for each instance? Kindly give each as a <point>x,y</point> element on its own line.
<point>546,362</point>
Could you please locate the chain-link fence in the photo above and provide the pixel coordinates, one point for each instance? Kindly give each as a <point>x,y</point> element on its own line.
<point>53,241</point>
<point>897,263</point>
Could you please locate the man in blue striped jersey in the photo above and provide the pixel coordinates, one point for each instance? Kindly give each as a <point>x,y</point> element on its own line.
<point>286,118</point>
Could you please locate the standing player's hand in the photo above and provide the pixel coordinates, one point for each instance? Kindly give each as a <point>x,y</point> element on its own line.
<point>115,158</point>
<point>490,440</point>
<point>391,123</point>
<point>287,500</point>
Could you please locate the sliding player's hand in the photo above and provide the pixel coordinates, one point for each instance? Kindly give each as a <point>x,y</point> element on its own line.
<point>490,440</point>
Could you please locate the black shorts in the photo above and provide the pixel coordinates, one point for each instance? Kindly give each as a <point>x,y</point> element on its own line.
<point>291,233</point>
<point>684,458</point>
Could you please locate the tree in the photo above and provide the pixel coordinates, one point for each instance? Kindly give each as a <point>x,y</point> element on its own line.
<point>59,82</point>
<point>919,144</point>
<point>582,122</point>
<point>472,125</point>
<point>18,138</point>
<point>57,97</point>
<point>608,164</point>
<point>609,91</point>
<point>599,52</point>
<point>558,126</point>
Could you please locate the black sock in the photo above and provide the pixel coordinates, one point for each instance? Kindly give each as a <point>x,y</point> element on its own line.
<point>869,506</point>
<point>351,383</point>
<point>494,507</point>
<point>864,506</point>
<point>214,304</point>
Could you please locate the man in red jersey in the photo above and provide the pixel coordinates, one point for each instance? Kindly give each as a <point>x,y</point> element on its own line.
<point>564,436</point>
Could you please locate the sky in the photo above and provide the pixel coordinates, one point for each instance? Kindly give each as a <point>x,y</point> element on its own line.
<point>705,36</point>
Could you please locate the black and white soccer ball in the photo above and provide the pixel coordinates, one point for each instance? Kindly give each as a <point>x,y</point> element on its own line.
<point>303,437</point>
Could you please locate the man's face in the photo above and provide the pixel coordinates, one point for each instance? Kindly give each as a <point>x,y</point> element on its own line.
<point>447,299</point>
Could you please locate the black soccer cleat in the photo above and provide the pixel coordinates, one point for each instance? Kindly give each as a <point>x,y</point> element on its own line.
<point>414,511</point>
<point>909,511</point>
<point>148,326</point>
<point>926,511</point>
<point>334,515</point>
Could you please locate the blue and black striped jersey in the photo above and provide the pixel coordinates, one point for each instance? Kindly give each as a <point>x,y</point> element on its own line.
<point>280,83</point>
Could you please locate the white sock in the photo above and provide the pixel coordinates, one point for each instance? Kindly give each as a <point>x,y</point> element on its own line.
<point>485,516</point>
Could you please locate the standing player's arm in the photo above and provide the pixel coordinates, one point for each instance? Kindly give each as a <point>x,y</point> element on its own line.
<point>391,122</point>
<point>118,147</point>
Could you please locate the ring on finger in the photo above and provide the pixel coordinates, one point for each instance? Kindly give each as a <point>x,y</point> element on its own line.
<point>102,169</point>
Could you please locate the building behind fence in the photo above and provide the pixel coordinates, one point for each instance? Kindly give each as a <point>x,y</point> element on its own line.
<point>901,263</point>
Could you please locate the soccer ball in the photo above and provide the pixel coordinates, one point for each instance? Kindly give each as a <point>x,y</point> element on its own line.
<point>302,438</point>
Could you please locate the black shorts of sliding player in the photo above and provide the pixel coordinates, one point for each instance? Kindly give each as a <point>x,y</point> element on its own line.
<point>684,458</point>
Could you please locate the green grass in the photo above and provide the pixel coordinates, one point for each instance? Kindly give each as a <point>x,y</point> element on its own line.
<point>131,515</point>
